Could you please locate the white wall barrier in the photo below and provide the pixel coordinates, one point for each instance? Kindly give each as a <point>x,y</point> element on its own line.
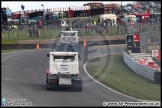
<point>140,69</point>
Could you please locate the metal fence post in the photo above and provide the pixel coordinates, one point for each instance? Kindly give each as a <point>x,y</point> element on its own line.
<point>157,77</point>
<point>43,31</point>
<point>18,34</point>
<point>8,35</point>
<point>33,30</point>
<point>27,30</point>
<point>51,29</point>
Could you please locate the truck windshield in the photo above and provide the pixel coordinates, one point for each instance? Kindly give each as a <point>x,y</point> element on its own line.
<point>69,34</point>
<point>64,58</point>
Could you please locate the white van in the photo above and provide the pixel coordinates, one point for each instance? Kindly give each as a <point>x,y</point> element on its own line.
<point>70,37</point>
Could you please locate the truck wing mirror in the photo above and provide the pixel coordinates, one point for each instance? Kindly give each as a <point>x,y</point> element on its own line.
<point>47,55</point>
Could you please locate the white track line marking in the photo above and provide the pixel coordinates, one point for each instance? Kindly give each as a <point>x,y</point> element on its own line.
<point>3,66</point>
<point>5,78</point>
<point>9,57</point>
<point>15,51</point>
<point>24,50</point>
<point>14,58</point>
<point>107,86</point>
<point>9,79</point>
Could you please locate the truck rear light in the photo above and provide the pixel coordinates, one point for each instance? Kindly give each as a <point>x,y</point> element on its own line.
<point>77,73</point>
<point>47,71</point>
<point>52,54</point>
<point>74,54</point>
<point>55,80</point>
<point>75,81</point>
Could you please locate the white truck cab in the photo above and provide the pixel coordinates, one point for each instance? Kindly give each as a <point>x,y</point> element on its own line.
<point>63,62</point>
<point>64,23</point>
<point>63,70</point>
<point>70,37</point>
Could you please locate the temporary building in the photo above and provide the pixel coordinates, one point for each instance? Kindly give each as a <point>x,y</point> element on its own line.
<point>108,16</point>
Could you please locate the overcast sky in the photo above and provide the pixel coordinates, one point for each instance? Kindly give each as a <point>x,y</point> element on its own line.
<point>16,5</point>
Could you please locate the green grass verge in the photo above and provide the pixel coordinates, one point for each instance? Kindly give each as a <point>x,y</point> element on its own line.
<point>120,77</point>
<point>9,42</point>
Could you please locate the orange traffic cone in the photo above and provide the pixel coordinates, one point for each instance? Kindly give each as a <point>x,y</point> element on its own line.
<point>84,43</point>
<point>37,46</point>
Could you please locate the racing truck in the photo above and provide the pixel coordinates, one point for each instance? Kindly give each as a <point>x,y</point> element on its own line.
<point>70,37</point>
<point>63,70</point>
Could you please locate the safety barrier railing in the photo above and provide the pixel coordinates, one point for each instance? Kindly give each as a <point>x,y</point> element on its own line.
<point>142,70</point>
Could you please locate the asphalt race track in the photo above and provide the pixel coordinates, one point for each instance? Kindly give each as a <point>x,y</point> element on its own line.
<point>23,76</point>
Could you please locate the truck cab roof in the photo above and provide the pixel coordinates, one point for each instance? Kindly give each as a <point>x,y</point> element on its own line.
<point>63,53</point>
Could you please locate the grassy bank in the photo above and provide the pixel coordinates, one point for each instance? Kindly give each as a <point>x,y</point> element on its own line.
<point>121,78</point>
<point>9,42</point>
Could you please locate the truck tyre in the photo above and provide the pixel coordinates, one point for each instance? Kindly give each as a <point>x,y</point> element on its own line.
<point>46,78</point>
<point>48,87</point>
<point>80,87</point>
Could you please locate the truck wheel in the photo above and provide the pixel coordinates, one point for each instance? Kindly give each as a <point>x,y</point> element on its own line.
<point>79,89</point>
<point>46,78</point>
<point>48,87</point>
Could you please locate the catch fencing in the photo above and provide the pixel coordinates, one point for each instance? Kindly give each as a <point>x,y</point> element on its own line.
<point>147,39</point>
<point>142,70</point>
<point>153,37</point>
<point>51,29</point>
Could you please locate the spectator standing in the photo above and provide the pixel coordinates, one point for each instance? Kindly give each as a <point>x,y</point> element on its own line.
<point>117,31</point>
<point>2,30</point>
<point>110,22</point>
<point>68,21</point>
<point>30,31</point>
<point>91,24</point>
<point>114,22</point>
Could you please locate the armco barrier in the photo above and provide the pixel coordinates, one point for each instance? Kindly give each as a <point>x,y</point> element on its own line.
<point>32,46</point>
<point>142,70</point>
